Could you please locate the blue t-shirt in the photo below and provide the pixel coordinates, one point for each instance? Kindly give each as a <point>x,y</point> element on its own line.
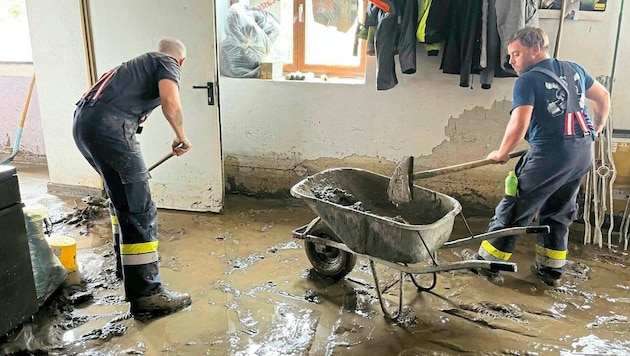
<point>550,100</point>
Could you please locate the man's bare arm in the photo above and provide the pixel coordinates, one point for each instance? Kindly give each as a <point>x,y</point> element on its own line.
<point>514,133</point>
<point>600,104</point>
<point>172,109</point>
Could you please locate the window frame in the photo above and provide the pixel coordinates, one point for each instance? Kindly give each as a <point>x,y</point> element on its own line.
<point>299,50</point>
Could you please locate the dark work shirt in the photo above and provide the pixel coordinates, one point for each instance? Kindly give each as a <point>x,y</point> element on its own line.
<point>549,99</point>
<point>134,87</point>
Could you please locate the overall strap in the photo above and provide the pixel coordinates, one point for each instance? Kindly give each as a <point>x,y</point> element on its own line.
<point>94,93</point>
<point>573,110</point>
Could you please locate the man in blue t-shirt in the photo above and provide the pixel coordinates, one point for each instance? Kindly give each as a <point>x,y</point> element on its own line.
<point>106,121</point>
<point>548,111</point>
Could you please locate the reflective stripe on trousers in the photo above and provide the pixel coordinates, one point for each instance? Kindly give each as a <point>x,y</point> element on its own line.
<point>116,237</point>
<point>139,254</point>
<point>139,243</point>
<point>550,258</point>
<point>549,179</point>
<point>491,253</point>
<point>97,133</point>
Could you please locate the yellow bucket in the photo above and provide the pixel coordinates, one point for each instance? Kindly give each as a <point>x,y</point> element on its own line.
<point>65,248</point>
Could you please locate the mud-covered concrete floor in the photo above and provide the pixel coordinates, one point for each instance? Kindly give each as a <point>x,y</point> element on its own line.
<point>254,294</point>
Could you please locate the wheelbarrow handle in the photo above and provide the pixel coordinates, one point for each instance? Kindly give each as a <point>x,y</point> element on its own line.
<point>510,231</point>
<point>503,266</point>
<point>461,167</point>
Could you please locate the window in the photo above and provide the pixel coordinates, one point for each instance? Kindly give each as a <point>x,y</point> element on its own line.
<point>318,36</point>
<point>15,41</point>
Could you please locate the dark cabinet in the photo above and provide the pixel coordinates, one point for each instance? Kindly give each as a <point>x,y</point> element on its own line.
<point>18,299</point>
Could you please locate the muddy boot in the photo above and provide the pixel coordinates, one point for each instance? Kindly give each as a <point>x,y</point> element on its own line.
<point>164,302</point>
<point>549,277</point>
<point>468,255</point>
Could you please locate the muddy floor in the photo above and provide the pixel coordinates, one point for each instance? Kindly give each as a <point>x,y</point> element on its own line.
<point>254,293</point>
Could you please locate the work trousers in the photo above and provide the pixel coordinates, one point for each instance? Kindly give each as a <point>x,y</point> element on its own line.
<point>549,178</point>
<point>106,138</point>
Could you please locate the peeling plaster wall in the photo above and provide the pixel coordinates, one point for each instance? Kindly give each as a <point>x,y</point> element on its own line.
<point>276,133</point>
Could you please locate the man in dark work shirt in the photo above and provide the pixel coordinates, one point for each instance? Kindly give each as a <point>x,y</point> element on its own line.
<point>106,121</point>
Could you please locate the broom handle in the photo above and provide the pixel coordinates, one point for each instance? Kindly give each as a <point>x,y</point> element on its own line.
<point>461,167</point>
<point>18,136</point>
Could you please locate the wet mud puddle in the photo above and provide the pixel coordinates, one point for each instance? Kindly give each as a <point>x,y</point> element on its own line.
<point>255,293</point>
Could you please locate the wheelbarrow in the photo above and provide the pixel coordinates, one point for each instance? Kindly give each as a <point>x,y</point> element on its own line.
<point>356,219</point>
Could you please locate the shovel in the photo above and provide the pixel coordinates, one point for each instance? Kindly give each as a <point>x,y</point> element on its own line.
<point>400,188</point>
<point>165,158</point>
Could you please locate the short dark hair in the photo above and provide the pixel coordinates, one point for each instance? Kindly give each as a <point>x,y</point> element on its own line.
<point>530,37</point>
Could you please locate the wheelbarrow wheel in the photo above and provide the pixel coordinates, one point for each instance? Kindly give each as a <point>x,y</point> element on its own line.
<point>327,260</point>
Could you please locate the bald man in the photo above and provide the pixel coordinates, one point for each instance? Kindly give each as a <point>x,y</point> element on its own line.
<point>106,121</point>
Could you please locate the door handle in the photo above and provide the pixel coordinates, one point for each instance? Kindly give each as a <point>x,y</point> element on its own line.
<point>210,87</point>
<point>301,13</point>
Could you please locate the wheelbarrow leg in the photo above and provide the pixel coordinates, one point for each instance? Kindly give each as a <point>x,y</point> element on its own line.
<point>424,289</point>
<point>433,259</point>
<point>386,313</point>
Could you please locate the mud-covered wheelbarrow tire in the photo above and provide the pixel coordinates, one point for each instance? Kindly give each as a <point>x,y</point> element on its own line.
<point>326,260</point>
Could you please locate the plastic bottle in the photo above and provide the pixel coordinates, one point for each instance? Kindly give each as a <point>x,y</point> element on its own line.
<point>511,184</point>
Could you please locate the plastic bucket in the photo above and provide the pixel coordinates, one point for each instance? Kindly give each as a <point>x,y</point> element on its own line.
<point>65,248</point>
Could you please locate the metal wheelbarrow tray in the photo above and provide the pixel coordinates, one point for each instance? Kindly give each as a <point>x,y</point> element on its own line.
<point>355,217</point>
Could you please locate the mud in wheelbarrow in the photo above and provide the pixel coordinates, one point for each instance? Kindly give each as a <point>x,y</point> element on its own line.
<point>355,218</point>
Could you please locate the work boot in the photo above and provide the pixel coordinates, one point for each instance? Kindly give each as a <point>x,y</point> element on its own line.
<point>547,276</point>
<point>164,302</point>
<point>468,255</point>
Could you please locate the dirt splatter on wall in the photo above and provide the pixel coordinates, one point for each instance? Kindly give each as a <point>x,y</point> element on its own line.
<point>470,136</point>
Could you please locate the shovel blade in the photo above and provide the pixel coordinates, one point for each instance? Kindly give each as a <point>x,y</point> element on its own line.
<point>400,188</point>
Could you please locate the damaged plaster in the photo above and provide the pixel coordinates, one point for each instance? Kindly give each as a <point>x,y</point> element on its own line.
<point>470,136</point>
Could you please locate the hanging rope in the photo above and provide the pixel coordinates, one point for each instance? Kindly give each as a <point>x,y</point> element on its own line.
<point>600,180</point>
<point>599,186</point>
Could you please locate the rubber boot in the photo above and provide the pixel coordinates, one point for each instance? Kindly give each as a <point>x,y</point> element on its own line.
<point>546,275</point>
<point>164,302</point>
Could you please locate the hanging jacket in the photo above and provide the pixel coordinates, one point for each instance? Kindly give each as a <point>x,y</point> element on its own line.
<point>432,47</point>
<point>462,49</point>
<point>491,45</point>
<point>513,15</point>
<point>438,19</point>
<point>395,33</point>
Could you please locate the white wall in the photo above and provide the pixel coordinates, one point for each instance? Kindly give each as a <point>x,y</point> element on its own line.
<point>61,71</point>
<point>312,120</point>
<point>592,43</point>
<point>621,87</point>
<point>280,125</point>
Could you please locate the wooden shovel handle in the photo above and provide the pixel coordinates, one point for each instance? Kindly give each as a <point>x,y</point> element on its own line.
<point>165,157</point>
<point>461,167</point>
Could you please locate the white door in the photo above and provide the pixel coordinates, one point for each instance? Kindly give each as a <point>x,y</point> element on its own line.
<point>123,29</point>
